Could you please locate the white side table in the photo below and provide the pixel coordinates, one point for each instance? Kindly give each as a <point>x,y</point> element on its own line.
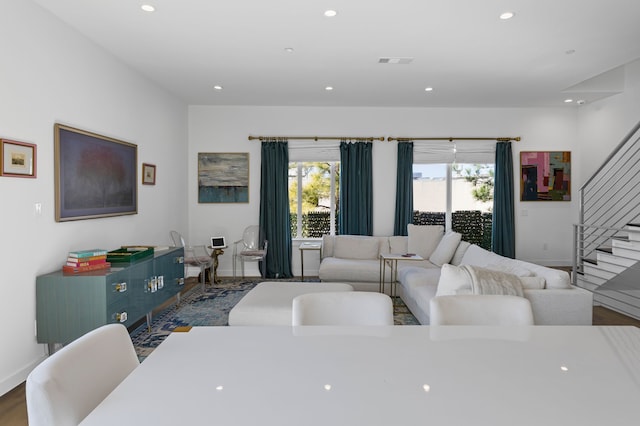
<point>391,260</point>
<point>307,246</point>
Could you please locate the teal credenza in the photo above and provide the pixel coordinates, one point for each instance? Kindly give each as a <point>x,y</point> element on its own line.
<point>68,306</point>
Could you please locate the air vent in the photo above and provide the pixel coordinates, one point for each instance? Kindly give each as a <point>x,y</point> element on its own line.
<point>398,61</point>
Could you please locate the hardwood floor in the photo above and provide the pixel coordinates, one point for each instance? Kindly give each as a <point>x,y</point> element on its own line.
<point>13,408</point>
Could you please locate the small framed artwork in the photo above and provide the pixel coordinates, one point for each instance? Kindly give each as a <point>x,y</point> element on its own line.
<point>18,159</point>
<point>545,176</point>
<point>223,177</point>
<point>148,174</point>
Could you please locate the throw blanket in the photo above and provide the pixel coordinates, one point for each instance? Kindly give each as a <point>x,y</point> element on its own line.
<point>487,281</point>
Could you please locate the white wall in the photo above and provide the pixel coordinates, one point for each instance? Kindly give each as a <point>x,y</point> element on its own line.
<point>603,124</point>
<point>225,129</point>
<point>52,74</point>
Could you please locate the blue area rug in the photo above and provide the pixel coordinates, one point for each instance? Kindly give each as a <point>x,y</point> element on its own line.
<point>210,307</point>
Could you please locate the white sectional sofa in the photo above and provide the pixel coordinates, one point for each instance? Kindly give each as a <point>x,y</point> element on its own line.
<point>355,260</point>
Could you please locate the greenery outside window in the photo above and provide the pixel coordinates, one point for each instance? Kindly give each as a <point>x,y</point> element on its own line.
<point>313,198</point>
<point>457,196</point>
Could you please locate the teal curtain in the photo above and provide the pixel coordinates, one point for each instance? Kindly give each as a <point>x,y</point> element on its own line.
<point>404,188</point>
<point>274,208</point>
<point>503,233</point>
<point>355,216</point>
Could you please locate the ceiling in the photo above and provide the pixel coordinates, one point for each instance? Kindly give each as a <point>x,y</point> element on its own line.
<point>549,51</point>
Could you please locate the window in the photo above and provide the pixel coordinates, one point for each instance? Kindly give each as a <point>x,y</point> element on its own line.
<point>313,198</point>
<point>457,196</point>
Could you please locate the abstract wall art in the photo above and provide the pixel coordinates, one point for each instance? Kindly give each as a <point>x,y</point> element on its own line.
<point>545,176</point>
<point>223,177</point>
<point>95,176</point>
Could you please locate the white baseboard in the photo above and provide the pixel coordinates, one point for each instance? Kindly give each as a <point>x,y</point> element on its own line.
<point>20,376</point>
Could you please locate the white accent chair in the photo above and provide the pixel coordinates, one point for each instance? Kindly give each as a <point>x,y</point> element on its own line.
<point>342,308</point>
<point>251,248</point>
<point>196,257</point>
<point>483,309</point>
<point>68,385</point>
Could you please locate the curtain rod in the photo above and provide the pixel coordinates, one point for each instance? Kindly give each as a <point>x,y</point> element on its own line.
<point>317,138</point>
<point>451,139</point>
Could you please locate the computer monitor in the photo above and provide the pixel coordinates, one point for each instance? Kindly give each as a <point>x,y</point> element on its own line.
<point>218,242</point>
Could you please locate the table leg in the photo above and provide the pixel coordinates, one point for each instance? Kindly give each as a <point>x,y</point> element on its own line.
<point>301,265</point>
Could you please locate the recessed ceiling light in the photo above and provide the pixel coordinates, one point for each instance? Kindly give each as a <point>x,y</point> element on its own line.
<point>330,13</point>
<point>288,49</point>
<point>570,51</point>
<point>507,15</point>
<point>568,101</point>
<point>581,102</point>
<point>217,87</point>
<point>428,89</point>
<point>328,88</point>
<point>147,8</point>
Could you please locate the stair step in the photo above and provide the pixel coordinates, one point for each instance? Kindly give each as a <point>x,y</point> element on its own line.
<point>627,253</point>
<point>599,272</point>
<point>633,231</point>
<point>582,283</point>
<point>616,260</point>
<point>604,249</point>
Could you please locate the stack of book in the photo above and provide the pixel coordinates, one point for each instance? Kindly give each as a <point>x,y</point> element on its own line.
<point>85,261</point>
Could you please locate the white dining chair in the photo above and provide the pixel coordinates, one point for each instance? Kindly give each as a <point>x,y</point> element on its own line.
<point>68,385</point>
<point>342,308</point>
<point>487,309</point>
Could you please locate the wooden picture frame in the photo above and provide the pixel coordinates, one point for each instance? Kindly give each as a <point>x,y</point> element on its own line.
<point>19,159</point>
<point>95,175</point>
<point>545,176</point>
<point>148,174</point>
<point>223,177</point>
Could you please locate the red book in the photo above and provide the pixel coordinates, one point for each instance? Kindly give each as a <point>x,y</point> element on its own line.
<point>79,269</point>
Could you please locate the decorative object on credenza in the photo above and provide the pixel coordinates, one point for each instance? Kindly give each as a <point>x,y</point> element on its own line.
<point>95,176</point>
<point>18,159</point>
<point>148,174</point>
<point>545,176</point>
<point>223,177</point>
<point>129,254</point>
<point>86,261</point>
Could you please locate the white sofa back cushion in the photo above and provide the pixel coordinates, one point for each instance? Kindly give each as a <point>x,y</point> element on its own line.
<point>477,256</point>
<point>423,239</point>
<point>398,244</point>
<point>356,247</point>
<point>458,280</point>
<point>460,251</point>
<point>446,248</point>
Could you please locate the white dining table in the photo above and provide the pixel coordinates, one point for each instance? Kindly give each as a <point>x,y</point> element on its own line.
<point>402,375</point>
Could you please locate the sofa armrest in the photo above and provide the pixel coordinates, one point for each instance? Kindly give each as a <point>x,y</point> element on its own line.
<point>572,306</point>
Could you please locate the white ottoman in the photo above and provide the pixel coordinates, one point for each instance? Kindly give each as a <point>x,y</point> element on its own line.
<point>269,303</point>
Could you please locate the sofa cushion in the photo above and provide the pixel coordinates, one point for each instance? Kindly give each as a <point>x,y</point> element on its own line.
<point>460,251</point>
<point>423,239</point>
<point>356,247</point>
<point>350,271</point>
<point>398,244</point>
<point>554,278</point>
<point>457,280</point>
<point>446,248</point>
<point>453,280</point>
<point>511,268</point>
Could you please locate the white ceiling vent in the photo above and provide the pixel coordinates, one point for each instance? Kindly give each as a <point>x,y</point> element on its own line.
<point>399,61</point>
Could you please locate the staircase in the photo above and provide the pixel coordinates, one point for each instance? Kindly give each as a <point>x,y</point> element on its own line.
<point>614,274</point>
<point>606,250</point>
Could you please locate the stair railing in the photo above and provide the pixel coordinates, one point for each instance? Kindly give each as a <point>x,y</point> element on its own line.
<point>610,199</point>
